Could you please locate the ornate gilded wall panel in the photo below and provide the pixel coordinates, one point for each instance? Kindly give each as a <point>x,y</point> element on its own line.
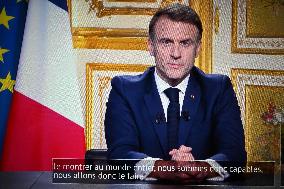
<point>98,86</point>
<point>258,26</point>
<point>260,95</point>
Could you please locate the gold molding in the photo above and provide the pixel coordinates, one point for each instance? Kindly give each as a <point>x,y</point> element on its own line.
<point>98,7</point>
<point>107,38</point>
<point>136,39</point>
<point>114,43</point>
<point>245,82</point>
<point>262,141</point>
<point>102,38</point>
<point>205,10</point>
<point>250,75</point>
<point>112,32</point>
<point>234,45</point>
<point>238,71</point>
<point>90,92</point>
<point>234,37</point>
<point>217,20</point>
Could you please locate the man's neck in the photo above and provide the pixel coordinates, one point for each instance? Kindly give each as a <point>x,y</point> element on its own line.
<point>172,82</point>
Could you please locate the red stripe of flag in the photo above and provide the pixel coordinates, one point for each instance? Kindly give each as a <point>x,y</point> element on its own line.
<point>36,134</point>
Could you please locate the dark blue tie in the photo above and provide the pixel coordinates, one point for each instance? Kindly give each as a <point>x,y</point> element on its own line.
<point>173,116</point>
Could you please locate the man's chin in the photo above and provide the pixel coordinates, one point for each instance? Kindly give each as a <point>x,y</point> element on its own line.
<point>176,80</point>
<point>175,76</point>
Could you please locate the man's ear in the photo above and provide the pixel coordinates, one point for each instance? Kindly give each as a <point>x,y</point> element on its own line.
<point>150,47</point>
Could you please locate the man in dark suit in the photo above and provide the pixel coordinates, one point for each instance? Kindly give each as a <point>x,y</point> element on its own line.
<point>174,111</point>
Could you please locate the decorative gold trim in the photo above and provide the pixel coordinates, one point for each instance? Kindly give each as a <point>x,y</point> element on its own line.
<point>234,46</point>
<point>90,69</point>
<point>239,76</point>
<point>111,32</point>
<point>205,10</point>
<point>98,7</point>
<point>243,80</point>
<point>238,71</point>
<point>217,20</point>
<point>115,43</point>
<point>102,38</point>
<point>103,82</point>
<point>256,132</point>
<point>101,11</point>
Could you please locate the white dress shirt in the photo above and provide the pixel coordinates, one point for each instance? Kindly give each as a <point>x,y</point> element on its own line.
<point>163,85</point>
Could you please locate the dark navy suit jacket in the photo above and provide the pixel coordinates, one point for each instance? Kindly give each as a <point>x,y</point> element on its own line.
<point>213,128</point>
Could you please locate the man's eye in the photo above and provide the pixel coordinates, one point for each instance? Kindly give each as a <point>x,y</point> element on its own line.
<point>186,43</point>
<point>165,41</point>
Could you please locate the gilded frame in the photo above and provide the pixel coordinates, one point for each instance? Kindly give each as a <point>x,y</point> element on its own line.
<point>254,88</point>
<point>136,39</point>
<point>242,43</point>
<point>103,83</point>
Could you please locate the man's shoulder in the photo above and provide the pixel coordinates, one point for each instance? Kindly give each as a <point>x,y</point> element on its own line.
<point>133,81</point>
<point>214,78</point>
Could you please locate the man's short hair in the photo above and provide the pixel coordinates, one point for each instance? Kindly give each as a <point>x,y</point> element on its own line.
<point>178,13</point>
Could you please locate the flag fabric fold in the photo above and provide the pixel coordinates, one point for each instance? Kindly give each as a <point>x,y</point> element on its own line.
<point>46,118</point>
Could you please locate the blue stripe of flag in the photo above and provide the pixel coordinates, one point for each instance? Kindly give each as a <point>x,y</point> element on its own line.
<point>10,39</point>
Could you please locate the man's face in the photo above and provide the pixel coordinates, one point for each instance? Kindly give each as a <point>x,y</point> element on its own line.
<point>175,47</point>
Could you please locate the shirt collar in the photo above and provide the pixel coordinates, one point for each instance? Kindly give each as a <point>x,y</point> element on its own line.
<point>163,85</point>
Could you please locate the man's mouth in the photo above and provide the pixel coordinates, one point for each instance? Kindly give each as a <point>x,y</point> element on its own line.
<point>174,66</point>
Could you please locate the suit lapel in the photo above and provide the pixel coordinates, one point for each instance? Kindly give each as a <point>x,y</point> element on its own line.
<point>156,112</point>
<point>190,105</point>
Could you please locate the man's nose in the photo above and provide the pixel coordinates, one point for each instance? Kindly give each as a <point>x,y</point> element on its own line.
<point>175,52</point>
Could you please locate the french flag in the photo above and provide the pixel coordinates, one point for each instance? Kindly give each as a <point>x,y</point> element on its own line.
<point>46,118</point>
